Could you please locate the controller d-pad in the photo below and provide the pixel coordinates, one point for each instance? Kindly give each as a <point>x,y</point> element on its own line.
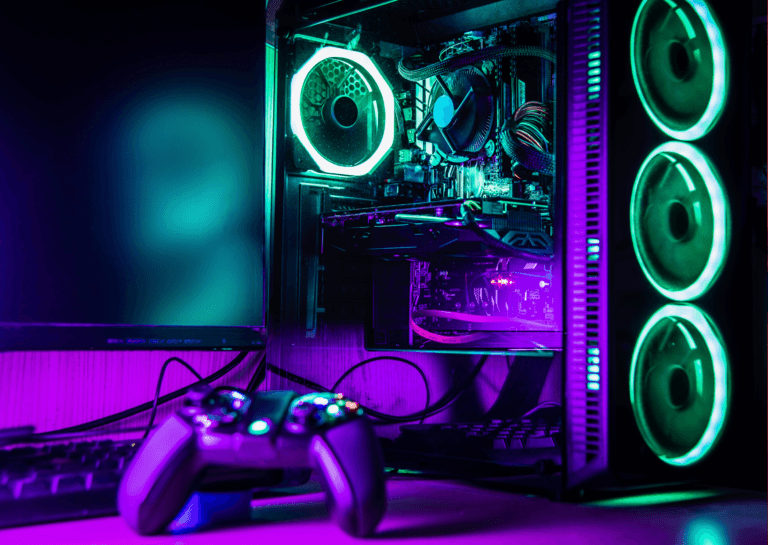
<point>223,406</point>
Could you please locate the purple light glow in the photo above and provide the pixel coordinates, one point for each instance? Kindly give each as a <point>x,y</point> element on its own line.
<point>585,279</point>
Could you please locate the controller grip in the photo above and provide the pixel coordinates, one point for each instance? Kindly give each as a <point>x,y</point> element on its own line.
<point>351,463</point>
<point>160,478</point>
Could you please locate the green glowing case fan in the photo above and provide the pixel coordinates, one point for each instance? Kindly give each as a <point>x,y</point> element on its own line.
<point>342,111</point>
<point>666,284</point>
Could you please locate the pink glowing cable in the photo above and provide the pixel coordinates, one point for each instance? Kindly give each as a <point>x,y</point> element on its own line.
<point>446,339</point>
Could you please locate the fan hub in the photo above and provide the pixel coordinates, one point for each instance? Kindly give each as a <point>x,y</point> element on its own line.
<point>341,112</point>
<point>443,111</point>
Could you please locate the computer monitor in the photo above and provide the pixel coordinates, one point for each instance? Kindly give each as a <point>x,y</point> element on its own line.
<point>131,177</point>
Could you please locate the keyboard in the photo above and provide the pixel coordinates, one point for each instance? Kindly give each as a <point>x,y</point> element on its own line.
<point>520,442</point>
<point>61,481</point>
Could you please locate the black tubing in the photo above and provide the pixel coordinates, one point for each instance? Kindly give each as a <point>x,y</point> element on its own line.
<point>465,59</point>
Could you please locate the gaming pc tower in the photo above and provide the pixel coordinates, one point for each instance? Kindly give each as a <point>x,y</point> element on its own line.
<point>569,180</point>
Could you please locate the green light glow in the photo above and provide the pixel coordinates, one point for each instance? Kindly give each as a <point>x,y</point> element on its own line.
<point>333,409</point>
<point>593,377</point>
<point>388,99</point>
<point>593,241</point>
<point>680,434</point>
<point>680,265</point>
<point>699,377</point>
<point>593,368</point>
<point>259,427</point>
<point>593,249</point>
<point>593,386</point>
<point>687,335</point>
<point>706,531</point>
<point>683,96</point>
<point>658,498</point>
<point>593,360</point>
<point>593,351</point>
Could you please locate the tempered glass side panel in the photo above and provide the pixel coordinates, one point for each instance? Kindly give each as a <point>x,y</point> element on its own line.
<point>459,216</point>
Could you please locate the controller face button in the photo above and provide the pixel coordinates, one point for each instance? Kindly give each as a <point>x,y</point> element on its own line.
<point>259,427</point>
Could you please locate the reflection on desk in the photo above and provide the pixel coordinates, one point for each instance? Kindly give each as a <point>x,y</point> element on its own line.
<point>453,512</point>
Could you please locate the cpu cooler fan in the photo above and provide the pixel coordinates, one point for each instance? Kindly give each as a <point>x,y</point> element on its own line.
<point>461,112</point>
<point>342,111</point>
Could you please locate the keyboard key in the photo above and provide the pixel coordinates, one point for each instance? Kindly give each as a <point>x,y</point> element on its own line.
<point>17,472</point>
<point>110,463</point>
<point>500,443</point>
<point>540,442</point>
<point>105,480</point>
<point>71,483</point>
<point>515,443</point>
<point>38,487</point>
<point>6,492</point>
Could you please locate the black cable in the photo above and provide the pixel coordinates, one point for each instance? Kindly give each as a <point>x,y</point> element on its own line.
<point>296,379</point>
<point>465,59</point>
<point>148,405</point>
<point>160,383</point>
<point>335,387</point>
<point>259,374</point>
<point>53,436</point>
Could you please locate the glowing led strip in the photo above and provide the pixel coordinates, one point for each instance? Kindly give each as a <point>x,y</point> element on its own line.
<point>721,220</point>
<point>719,78</point>
<point>717,418</point>
<point>297,83</point>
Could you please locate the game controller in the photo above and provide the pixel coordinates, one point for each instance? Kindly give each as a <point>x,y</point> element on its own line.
<point>226,438</point>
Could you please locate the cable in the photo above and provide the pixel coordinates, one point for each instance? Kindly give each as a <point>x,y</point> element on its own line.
<point>148,405</point>
<point>525,138</point>
<point>160,383</point>
<point>465,59</point>
<point>335,387</point>
<point>53,436</point>
<point>447,399</point>
<point>259,374</point>
<point>541,405</point>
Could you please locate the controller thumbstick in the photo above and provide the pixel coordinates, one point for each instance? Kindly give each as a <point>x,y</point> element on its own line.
<point>304,414</point>
<point>197,394</point>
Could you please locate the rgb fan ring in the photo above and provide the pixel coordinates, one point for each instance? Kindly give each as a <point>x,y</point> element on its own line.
<point>679,65</point>
<point>342,111</point>
<point>679,384</point>
<point>679,221</point>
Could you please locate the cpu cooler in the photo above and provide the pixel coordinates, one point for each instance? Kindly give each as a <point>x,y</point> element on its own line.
<point>342,111</point>
<point>461,113</point>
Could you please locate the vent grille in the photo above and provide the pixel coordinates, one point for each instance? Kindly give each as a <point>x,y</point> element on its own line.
<point>586,243</point>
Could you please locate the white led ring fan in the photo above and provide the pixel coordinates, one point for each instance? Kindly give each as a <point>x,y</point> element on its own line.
<point>342,111</point>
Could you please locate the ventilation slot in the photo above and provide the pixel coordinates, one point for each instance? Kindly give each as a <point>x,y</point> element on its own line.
<point>586,244</point>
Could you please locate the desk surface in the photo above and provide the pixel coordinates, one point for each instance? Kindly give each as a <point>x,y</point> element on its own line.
<point>451,512</point>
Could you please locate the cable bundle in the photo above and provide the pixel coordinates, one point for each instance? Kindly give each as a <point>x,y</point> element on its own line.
<point>526,138</point>
<point>532,120</point>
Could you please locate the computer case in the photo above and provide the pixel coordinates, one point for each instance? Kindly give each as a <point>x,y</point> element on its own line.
<point>652,287</point>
